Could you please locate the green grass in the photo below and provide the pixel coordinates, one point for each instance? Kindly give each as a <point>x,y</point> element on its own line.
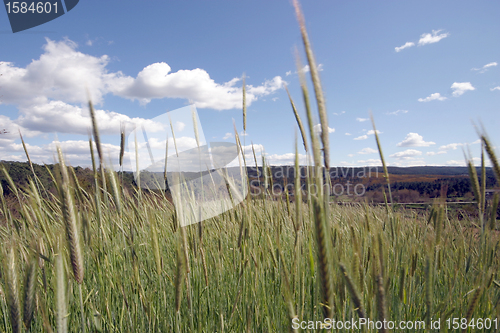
<point>112,261</point>
<point>123,290</point>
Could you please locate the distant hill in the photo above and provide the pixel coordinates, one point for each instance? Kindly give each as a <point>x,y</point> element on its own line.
<point>402,177</point>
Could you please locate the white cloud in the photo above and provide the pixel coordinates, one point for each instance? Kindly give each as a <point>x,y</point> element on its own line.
<point>179,126</point>
<point>455,163</point>
<point>407,154</point>
<point>407,44</point>
<point>370,162</point>
<point>395,113</point>
<point>317,129</point>
<point>362,119</point>
<point>430,38</point>
<point>285,159</point>
<point>157,81</point>
<point>365,136</point>
<point>485,67</point>
<point>348,134</point>
<point>496,88</point>
<point>460,87</point>
<point>57,116</point>
<point>432,153</point>
<point>63,73</point>
<point>350,155</point>
<point>451,146</point>
<point>228,135</point>
<point>305,69</point>
<point>76,152</point>
<point>338,114</point>
<point>414,140</point>
<point>60,73</point>
<point>435,96</point>
<point>367,151</point>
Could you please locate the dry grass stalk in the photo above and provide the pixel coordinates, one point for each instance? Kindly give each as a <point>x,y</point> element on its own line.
<point>491,154</point>
<point>297,118</point>
<point>122,144</point>
<point>353,292</point>
<point>116,192</point>
<point>12,288</point>
<point>244,105</point>
<point>474,181</point>
<point>483,181</point>
<point>472,305</point>
<point>69,218</point>
<point>381,306</point>
<point>204,264</point>
<point>30,290</point>
<point>62,308</point>
<point>323,259</point>
<point>320,100</point>
<point>379,146</point>
<point>95,131</point>
<point>428,290</point>
<point>316,151</point>
<point>179,278</point>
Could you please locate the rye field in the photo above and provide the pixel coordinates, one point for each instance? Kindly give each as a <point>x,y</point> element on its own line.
<point>111,260</point>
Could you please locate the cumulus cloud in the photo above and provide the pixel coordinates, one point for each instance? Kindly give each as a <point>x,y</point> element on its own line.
<point>305,69</point>
<point>496,88</point>
<point>362,119</point>
<point>460,87</point>
<point>485,67</point>
<point>367,151</point>
<point>317,129</point>
<point>348,134</point>
<point>414,140</point>
<point>432,97</point>
<point>228,135</point>
<point>63,73</point>
<point>370,162</point>
<point>57,116</point>
<point>179,126</point>
<point>432,153</point>
<point>50,93</point>
<point>451,146</point>
<point>407,154</point>
<point>365,136</point>
<point>157,81</point>
<point>407,44</point>
<point>76,152</point>
<point>433,37</point>
<point>60,73</point>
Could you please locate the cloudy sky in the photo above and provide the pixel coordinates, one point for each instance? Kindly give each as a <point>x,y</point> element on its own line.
<point>426,70</point>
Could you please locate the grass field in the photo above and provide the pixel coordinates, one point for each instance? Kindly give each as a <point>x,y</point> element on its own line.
<point>113,261</point>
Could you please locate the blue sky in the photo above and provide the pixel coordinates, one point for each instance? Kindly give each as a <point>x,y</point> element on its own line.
<point>140,59</point>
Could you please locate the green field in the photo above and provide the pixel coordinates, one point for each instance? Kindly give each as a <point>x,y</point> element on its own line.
<point>113,260</point>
